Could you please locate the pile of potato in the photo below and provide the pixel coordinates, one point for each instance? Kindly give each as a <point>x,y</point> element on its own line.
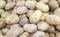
<point>29,18</point>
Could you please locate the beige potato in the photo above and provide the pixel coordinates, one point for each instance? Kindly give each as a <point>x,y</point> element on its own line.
<point>41,6</point>
<point>1,11</point>
<point>21,10</point>
<point>30,28</point>
<point>12,19</point>
<point>2,23</point>
<point>30,4</point>
<point>53,5</point>
<point>25,34</point>
<point>51,35</point>
<point>35,17</point>
<point>20,3</point>
<point>5,14</point>
<point>58,34</point>
<point>58,27</point>
<point>4,31</point>
<point>38,34</point>
<point>2,4</point>
<point>57,12</point>
<point>44,15</point>
<point>59,1</point>
<point>42,25</point>
<point>14,31</point>
<point>23,20</point>
<point>45,1</point>
<point>9,5</point>
<point>53,19</point>
<point>51,29</point>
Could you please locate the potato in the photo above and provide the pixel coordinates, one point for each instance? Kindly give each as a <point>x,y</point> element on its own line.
<point>53,20</point>
<point>58,27</point>
<point>2,4</point>
<point>52,35</point>
<point>41,6</point>
<point>30,4</point>
<point>12,19</point>
<point>1,11</point>
<point>21,22</point>
<point>9,5</point>
<point>20,3</point>
<point>30,28</point>
<point>57,12</point>
<point>38,34</point>
<point>58,34</point>
<point>53,5</point>
<point>35,17</point>
<point>14,31</point>
<point>51,29</point>
<point>44,1</point>
<point>25,34</point>
<point>30,12</point>
<point>21,10</point>
<point>42,25</point>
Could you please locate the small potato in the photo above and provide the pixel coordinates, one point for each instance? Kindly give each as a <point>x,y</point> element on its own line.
<point>41,6</point>
<point>57,12</point>
<point>12,19</point>
<point>51,29</point>
<point>38,34</point>
<point>59,1</point>
<point>4,31</point>
<point>5,14</point>
<point>30,4</point>
<point>44,15</point>
<point>25,34</point>
<point>53,5</point>
<point>30,12</point>
<point>30,28</point>
<point>23,20</point>
<point>51,35</point>
<point>42,25</point>
<point>53,19</point>
<point>9,5</point>
<point>58,27</point>
<point>2,4</point>
<point>20,3</point>
<point>35,17</point>
<point>2,23</point>
<point>21,10</point>
<point>58,34</point>
<point>1,11</point>
<point>44,1</point>
<point>14,31</point>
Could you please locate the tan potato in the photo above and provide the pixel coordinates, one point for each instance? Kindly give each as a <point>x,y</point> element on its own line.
<point>21,22</point>
<point>51,29</point>
<point>44,1</point>
<point>25,34</point>
<point>42,25</point>
<point>9,5</point>
<point>21,10</point>
<point>38,34</point>
<point>53,19</point>
<point>58,27</point>
<point>5,14</point>
<point>1,11</point>
<point>14,31</point>
<point>58,34</point>
<point>59,1</point>
<point>57,12</point>
<point>12,19</point>
<point>30,12</point>
<point>2,4</point>
<point>51,35</point>
<point>35,17</point>
<point>30,4</point>
<point>41,6</point>
<point>20,3</point>
<point>30,28</point>
<point>53,5</point>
